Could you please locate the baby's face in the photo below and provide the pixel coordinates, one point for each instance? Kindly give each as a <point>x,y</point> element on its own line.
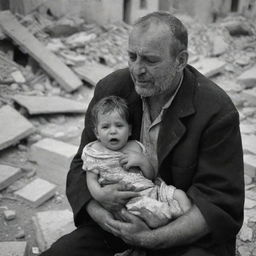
<point>112,130</point>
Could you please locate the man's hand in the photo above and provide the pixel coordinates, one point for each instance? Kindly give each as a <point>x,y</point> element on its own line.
<point>133,231</point>
<point>99,214</point>
<point>114,197</point>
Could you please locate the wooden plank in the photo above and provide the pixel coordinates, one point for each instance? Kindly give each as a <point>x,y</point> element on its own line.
<point>8,175</point>
<point>47,60</point>
<point>92,73</point>
<point>13,127</point>
<point>49,105</point>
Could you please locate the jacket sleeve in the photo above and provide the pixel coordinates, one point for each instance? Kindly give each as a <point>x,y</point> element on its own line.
<point>218,185</point>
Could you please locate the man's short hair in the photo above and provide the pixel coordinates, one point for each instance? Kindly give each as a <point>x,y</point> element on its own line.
<point>108,105</point>
<point>177,29</point>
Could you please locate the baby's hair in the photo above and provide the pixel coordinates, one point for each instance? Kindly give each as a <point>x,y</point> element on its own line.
<point>108,105</point>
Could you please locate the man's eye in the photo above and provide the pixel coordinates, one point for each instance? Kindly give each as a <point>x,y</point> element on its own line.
<point>151,60</point>
<point>119,125</point>
<point>132,57</point>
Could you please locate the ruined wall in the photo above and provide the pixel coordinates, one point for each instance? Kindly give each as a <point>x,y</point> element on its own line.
<point>138,8</point>
<point>204,11</point>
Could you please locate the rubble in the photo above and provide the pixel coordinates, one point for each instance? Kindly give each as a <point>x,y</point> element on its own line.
<point>91,52</point>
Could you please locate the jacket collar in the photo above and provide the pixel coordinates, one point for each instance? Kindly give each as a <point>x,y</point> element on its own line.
<point>172,128</point>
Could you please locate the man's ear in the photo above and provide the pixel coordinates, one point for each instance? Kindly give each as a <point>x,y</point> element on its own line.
<point>182,60</point>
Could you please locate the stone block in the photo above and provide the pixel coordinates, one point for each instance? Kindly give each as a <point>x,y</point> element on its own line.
<point>9,214</point>
<point>51,225</point>
<point>8,175</point>
<point>248,78</point>
<point>249,143</point>
<point>250,96</point>
<point>37,192</point>
<point>209,66</point>
<point>53,158</point>
<point>250,165</point>
<point>13,248</point>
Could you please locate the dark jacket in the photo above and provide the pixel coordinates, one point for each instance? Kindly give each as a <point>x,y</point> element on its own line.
<point>199,151</point>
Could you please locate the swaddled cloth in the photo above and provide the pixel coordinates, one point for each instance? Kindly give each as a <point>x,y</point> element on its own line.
<point>155,205</point>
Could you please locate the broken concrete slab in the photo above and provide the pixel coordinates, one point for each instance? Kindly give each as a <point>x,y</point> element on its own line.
<point>36,192</point>
<point>92,73</point>
<point>47,60</point>
<point>249,143</point>
<point>8,175</point>
<point>248,78</point>
<point>250,165</point>
<point>49,105</point>
<point>209,66</point>
<point>14,128</point>
<point>51,225</point>
<point>13,248</point>
<point>250,95</point>
<point>230,86</point>
<point>247,128</point>
<point>53,158</point>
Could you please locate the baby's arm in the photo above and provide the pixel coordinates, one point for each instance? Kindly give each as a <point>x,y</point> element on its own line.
<point>184,202</point>
<point>94,186</point>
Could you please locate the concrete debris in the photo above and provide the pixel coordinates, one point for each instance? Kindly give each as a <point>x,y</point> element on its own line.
<point>225,51</point>
<point>9,215</point>
<point>36,192</point>
<point>8,175</point>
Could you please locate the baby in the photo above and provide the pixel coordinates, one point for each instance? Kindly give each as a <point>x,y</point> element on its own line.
<point>113,158</point>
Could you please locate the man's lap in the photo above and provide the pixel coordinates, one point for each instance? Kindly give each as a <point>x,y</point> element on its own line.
<point>91,240</point>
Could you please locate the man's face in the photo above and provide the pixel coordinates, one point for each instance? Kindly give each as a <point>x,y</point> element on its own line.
<point>150,62</point>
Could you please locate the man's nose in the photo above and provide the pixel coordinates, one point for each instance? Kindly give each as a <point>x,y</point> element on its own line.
<point>139,68</point>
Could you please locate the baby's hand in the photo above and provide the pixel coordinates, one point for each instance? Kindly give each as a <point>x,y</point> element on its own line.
<point>132,159</point>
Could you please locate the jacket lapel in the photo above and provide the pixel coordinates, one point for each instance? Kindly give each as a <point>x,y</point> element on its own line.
<point>172,129</point>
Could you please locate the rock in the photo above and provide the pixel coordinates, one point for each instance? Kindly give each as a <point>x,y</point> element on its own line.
<point>13,248</point>
<point>246,233</point>
<point>14,87</point>
<point>250,96</point>
<point>39,87</point>
<point>219,46</point>
<point>51,225</point>
<point>249,203</point>
<point>237,28</point>
<point>248,78</point>
<point>243,61</point>
<point>20,234</point>
<point>9,215</point>
<point>247,128</point>
<point>34,138</point>
<point>247,180</point>
<point>244,250</point>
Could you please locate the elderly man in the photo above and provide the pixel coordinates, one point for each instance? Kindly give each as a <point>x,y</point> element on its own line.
<point>190,128</point>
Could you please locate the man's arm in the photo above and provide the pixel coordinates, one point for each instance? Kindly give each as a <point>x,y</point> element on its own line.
<point>185,230</point>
